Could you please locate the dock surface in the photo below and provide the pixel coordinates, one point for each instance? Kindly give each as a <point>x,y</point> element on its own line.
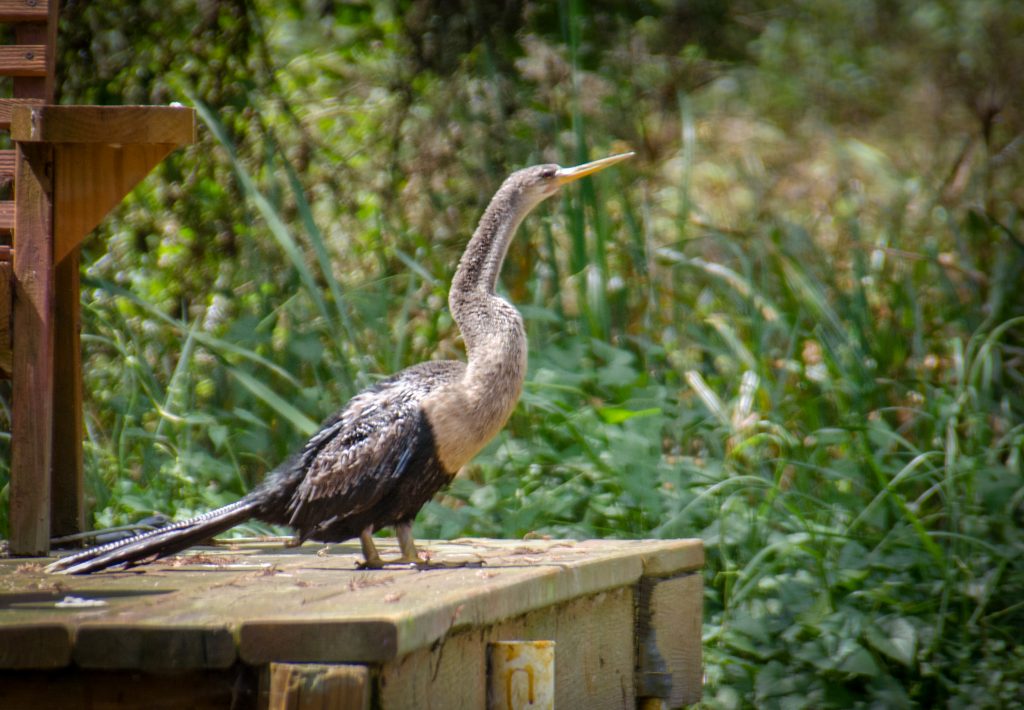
<point>625,617</point>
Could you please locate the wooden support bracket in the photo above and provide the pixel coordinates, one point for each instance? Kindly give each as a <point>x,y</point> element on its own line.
<point>74,164</point>
<point>100,153</point>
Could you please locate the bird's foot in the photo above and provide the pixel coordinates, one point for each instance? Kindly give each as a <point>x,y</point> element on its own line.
<point>417,562</point>
<point>449,564</point>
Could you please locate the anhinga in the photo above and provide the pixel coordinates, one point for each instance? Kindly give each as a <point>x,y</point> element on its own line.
<point>375,463</point>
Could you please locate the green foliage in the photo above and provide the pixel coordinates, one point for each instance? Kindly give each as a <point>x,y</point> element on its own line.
<point>792,327</point>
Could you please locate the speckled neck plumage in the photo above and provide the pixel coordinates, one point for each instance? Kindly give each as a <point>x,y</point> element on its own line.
<point>466,417</point>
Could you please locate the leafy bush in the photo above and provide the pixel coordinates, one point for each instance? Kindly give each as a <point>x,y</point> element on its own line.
<point>792,327</point>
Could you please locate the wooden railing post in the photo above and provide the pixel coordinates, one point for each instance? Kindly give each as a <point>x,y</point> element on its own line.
<point>32,397</point>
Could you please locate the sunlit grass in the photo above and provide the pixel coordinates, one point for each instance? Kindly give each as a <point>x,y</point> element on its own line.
<point>791,327</point>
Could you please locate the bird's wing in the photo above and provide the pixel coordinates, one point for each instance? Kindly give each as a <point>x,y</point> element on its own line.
<point>357,456</point>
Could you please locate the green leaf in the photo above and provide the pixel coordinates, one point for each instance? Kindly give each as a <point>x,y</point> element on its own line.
<point>894,637</point>
<point>617,415</point>
<point>297,419</point>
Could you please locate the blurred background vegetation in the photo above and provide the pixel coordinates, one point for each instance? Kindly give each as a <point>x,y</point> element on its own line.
<point>792,327</point>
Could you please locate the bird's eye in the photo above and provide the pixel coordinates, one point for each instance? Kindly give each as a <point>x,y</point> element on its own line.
<point>548,172</point>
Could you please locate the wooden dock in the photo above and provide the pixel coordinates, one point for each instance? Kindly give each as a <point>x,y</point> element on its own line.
<point>257,625</point>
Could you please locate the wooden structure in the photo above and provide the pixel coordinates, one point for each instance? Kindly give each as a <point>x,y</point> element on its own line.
<point>70,166</point>
<point>263,626</point>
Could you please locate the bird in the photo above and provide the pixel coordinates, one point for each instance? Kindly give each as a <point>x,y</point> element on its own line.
<point>378,460</point>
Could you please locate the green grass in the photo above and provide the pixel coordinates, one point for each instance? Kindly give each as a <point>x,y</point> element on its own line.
<point>792,327</point>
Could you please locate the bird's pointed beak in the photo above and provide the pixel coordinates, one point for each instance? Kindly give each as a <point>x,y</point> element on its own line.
<point>567,175</point>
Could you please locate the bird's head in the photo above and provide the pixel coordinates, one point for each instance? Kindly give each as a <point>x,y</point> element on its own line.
<point>540,182</point>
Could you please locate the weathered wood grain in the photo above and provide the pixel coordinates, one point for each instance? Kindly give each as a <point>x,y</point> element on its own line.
<point>669,616</point>
<point>425,633</point>
<point>593,658</point>
<point>289,605</point>
<point>293,686</point>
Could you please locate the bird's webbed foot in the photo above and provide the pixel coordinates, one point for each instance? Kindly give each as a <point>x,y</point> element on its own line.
<point>410,558</point>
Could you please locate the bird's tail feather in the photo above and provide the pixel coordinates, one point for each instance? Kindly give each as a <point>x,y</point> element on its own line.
<point>157,543</point>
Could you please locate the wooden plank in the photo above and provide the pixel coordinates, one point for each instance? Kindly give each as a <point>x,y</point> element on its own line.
<point>71,689</point>
<point>23,646</point>
<point>7,216</point>
<point>290,605</point>
<point>67,494</point>
<point>32,367</point>
<point>669,616</point>
<point>317,686</point>
<point>6,166</point>
<point>6,274</point>
<point>154,648</point>
<point>520,579</point>
<point>23,60</point>
<point>24,10</point>
<point>8,105</point>
<point>594,658</point>
<point>173,125</point>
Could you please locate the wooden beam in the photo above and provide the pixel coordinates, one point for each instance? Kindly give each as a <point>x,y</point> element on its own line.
<point>668,622</point>
<point>32,396</point>
<point>67,495</point>
<point>312,686</point>
<point>8,105</point>
<point>171,125</point>
<point>23,60</point>
<point>24,10</point>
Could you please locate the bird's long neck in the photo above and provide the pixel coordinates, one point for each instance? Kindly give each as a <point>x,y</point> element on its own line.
<point>466,416</point>
<point>472,297</point>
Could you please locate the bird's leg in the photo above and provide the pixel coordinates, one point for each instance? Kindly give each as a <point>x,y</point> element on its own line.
<point>403,531</point>
<point>371,558</point>
<point>410,556</point>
